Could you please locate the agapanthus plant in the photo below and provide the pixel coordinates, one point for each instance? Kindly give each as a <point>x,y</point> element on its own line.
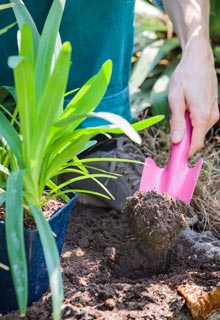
<point>46,139</point>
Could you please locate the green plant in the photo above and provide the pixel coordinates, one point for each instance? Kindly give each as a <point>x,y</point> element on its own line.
<point>45,140</point>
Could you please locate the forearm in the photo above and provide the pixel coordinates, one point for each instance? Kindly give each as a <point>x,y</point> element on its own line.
<point>190,19</point>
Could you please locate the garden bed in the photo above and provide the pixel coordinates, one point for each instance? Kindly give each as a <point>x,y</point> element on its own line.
<point>103,272</point>
<point>102,279</point>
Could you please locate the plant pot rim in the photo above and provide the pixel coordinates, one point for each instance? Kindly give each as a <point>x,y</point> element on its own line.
<point>56,213</point>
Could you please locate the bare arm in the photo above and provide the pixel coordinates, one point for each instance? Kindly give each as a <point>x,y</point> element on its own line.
<point>193,85</point>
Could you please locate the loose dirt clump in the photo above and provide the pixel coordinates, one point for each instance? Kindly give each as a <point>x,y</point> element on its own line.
<point>156,220</point>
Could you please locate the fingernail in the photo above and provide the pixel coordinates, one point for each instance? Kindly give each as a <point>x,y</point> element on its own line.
<point>176,136</point>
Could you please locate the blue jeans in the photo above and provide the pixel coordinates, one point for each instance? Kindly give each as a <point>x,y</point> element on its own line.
<point>98,30</point>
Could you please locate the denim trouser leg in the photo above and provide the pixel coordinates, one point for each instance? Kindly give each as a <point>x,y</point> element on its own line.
<point>98,30</point>
<point>101,30</point>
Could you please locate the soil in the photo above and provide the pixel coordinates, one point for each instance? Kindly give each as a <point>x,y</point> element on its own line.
<point>48,209</point>
<point>105,279</point>
<point>156,220</point>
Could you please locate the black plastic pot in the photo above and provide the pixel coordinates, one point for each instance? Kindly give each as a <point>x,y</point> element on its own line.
<point>37,271</point>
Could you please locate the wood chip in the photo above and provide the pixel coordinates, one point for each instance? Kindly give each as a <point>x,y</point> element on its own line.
<point>201,303</point>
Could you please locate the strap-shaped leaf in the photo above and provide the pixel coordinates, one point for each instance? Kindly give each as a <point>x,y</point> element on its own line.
<point>5,29</point>
<point>47,44</point>
<point>138,126</point>
<point>15,237</point>
<point>6,6</point>
<point>11,136</point>
<point>23,17</point>
<point>26,46</point>
<point>88,97</point>
<point>25,88</point>
<point>159,94</point>
<point>50,100</point>
<point>150,56</point>
<point>52,260</point>
<point>60,159</point>
<point>121,123</point>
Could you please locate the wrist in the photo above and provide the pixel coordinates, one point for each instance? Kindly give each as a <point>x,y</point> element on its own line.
<point>197,57</point>
<point>198,44</point>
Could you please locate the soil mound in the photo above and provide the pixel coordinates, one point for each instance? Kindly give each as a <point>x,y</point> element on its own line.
<point>156,220</point>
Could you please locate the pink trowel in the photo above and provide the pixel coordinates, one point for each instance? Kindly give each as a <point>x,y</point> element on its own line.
<point>176,179</point>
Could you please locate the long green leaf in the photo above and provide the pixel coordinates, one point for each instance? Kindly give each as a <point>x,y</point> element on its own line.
<point>15,237</point>
<point>120,122</point>
<point>63,123</point>
<point>141,125</point>
<point>12,138</point>
<point>26,46</point>
<point>89,96</point>
<point>6,6</point>
<point>23,17</point>
<point>47,45</point>
<point>59,145</point>
<point>5,29</point>
<point>51,97</point>
<point>24,82</point>
<point>86,100</point>
<point>52,260</point>
<point>138,126</point>
<point>150,56</point>
<point>159,94</point>
<point>63,157</point>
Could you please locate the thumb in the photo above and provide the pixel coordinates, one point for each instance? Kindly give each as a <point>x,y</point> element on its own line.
<point>177,124</point>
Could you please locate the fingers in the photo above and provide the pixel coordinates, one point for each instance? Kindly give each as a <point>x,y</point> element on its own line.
<point>178,109</point>
<point>197,140</point>
<point>202,123</point>
<point>202,119</point>
<point>193,87</point>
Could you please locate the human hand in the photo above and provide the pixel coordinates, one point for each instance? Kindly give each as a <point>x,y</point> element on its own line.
<point>193,87</point>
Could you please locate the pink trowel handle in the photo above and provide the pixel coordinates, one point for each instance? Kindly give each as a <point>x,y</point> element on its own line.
<point>179,152</point>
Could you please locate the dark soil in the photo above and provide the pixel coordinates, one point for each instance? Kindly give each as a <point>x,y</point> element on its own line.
<point>48,209</point>
<point>104,278</point>
<point>156,220</point>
